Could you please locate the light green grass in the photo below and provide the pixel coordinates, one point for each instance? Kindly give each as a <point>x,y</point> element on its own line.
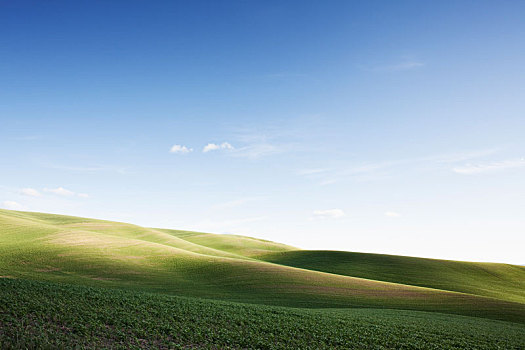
<point>239,245</point>
<point>102,253</point>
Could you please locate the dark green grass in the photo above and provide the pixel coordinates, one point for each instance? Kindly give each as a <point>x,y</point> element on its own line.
<point>501,281</point>
<point>46,315</point>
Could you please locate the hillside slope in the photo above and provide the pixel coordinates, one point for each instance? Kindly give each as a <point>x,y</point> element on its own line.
<point>102,253</point>
<point>501,281</point>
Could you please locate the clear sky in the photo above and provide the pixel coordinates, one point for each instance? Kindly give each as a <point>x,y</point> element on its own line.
<point>374,126</point>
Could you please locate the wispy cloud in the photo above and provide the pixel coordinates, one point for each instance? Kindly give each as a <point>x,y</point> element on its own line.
<point>334,175</point>
<point>328,214</point>
<point>327,176</point>
<point>12,205</point>
<point>61,191</point>
<point>471,169</point>
<point>257,150</point>
<point>403,65</point>
<point>180,149</point>
<point>264,141</point>
<point>214,147</point>
<point>392,214</point>
<point>30,192</point>
<point>461,156</point>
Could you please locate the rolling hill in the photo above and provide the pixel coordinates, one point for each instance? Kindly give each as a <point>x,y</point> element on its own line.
<point>97,253</point>
<point>501,281</point>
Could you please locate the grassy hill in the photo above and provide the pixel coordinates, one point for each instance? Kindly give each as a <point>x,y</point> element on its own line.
<point>89,252</point>
<point>501,281</point>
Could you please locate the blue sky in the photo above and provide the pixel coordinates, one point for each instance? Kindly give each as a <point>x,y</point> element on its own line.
<point>388,127</point>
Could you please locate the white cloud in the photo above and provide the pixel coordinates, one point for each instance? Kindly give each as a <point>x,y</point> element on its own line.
<point>12,205</point>
<point>257,150</point>
<point>226,145</point>
<point>329,214</point>
<point>30,192</point>
<point>210,147</point>
<point>471,169</point>
<point>213,147</point>
<point>392,214</point>
<point>180,149</point>
<point>61,191</point>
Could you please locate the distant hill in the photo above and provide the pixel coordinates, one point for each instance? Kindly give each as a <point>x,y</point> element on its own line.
<point>501,281</point>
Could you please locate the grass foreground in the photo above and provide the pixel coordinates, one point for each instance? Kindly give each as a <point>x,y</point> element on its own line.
<point>48,315</point>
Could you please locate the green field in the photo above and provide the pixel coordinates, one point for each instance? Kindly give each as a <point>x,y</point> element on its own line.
<point>45,315</point>
<point>323,288</point>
